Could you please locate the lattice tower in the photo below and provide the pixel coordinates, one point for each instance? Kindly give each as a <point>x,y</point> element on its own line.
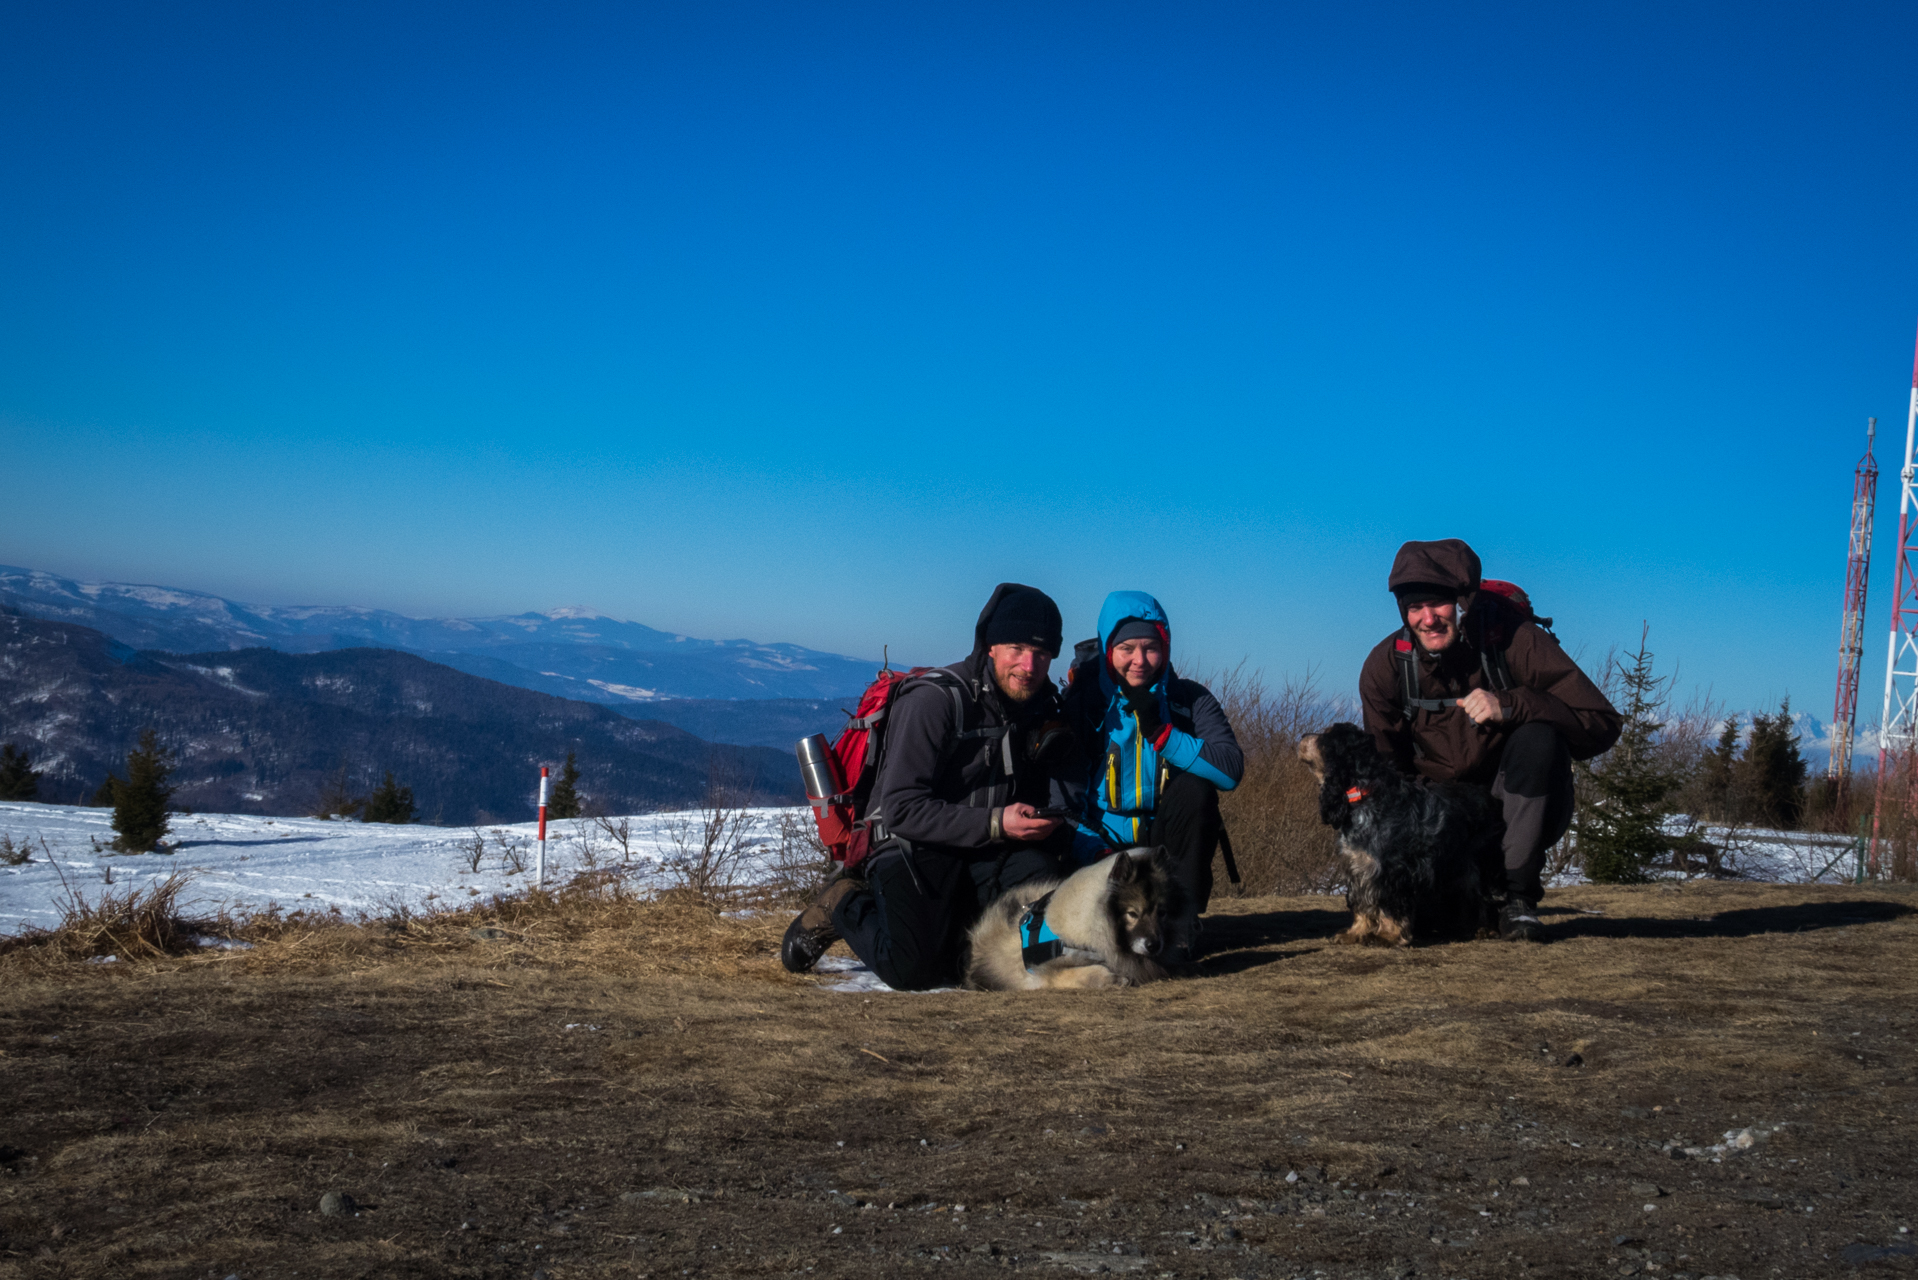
<point>1851,631</point>
<point>1898,725</point>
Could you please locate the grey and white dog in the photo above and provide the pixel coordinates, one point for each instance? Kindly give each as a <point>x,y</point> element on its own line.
<point>1099,927</point>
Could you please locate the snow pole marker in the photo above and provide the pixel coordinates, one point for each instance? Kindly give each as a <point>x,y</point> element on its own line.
<point>539,864</point>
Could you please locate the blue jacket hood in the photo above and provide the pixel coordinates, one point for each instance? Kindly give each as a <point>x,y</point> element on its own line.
<point>1121,605</point>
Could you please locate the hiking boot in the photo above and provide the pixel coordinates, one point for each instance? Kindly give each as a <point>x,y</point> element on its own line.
<point>812,931</point>
<point>1518,921</point>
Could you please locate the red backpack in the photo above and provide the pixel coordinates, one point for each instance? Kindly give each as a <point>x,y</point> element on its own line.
<point>842,817</point>
<point>1493,626</point>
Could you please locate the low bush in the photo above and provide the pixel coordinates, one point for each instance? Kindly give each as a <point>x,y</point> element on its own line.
<point>1273,815</point>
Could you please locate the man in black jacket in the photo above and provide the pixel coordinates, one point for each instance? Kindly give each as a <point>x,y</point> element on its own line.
<point>956,811</point>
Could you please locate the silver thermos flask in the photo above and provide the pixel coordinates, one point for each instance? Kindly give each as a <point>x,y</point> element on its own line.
<point>818,769</point>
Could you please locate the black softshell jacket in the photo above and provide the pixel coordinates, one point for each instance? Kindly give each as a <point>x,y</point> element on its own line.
<point>937,788</point>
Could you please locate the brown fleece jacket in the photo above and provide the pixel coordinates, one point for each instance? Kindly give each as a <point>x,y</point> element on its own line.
<point>1447,745</point>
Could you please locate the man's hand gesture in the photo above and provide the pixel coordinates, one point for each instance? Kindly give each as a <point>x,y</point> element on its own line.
<point>1483,706</point>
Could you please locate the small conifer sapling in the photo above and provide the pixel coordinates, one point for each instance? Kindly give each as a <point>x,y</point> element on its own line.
<point>1621,831</point>
<point>19,780</point>
<point>563,802</point>
<point>140,801</point>
<point>389,802</point>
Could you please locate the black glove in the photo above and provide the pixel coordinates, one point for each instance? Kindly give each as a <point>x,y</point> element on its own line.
<point>1144,705</point>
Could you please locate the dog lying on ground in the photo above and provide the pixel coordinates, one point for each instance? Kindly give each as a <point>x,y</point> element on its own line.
<point>1422,859</point>
<point>1099,927</point>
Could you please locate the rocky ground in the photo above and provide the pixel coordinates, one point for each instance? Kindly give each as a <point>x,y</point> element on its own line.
<point>1707,1080</point>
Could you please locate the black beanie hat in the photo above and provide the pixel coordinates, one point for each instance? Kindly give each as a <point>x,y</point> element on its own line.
<point>1134,629</point>
<point>1026,615</point>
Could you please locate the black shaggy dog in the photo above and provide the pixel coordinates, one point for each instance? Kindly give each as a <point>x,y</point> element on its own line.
<point>1422,858</point>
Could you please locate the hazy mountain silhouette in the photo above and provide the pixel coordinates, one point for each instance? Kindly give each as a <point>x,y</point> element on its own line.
<point>573,653</point>
<point>258,731</point>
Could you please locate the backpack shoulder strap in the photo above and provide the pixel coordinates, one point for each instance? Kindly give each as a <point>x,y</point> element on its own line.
<point>1492,642</point>
<point>963,703</point>
<point>1408,655</point>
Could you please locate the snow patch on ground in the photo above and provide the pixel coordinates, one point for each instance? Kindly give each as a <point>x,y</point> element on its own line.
<point>855,977</point>
<point>244,863</point>
<point>1761,856</point>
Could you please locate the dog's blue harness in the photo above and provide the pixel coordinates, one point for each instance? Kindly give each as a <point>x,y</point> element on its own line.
<point>1038,942</point>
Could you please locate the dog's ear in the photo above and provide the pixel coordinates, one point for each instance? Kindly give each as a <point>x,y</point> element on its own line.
<point>1334,774</point>
<point>1130,865</point>
<point>1311,756</point>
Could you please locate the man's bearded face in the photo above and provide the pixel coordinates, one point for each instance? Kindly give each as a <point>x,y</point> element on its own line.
<point>1020,670</point>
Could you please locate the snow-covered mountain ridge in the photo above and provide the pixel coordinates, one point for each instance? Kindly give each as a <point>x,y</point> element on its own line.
<point>573,652</point>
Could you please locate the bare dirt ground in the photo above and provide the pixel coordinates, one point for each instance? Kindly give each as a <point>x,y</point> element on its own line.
<point>1302,1109</point>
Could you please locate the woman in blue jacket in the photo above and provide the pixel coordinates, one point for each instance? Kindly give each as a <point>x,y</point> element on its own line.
<point>1158,750</point>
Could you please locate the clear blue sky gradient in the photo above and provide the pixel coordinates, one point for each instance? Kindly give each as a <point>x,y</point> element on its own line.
<point>811,322</point>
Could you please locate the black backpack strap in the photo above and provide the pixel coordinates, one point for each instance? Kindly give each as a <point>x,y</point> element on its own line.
<point>1409,680</point>
<point>1491,655</point>
<point>1225,847</point>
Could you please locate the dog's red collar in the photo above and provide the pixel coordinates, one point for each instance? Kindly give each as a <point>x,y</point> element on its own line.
<point>1355,794</point>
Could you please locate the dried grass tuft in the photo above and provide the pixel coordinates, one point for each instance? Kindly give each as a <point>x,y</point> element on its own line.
<point>1273,814</point>
<point>135,923</point>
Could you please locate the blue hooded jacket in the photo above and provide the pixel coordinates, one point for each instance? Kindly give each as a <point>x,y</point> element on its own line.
<point>1127,772</point>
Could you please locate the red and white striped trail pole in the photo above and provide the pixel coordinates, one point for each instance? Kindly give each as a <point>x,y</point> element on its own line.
<point>539,865</point>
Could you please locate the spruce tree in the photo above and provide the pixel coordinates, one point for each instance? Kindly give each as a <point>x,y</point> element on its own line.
<point>1772,772</point>
<point>140,802</point>
<point>1622,829</point>
<point>1715,774</point>
<point>19,780</point>
<point>389,802</point>
<point>563,801</point>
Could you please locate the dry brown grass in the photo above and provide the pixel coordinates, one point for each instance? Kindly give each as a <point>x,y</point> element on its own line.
<point>588,1097</point>
<point>133,923</point>
<point>1273,814</point>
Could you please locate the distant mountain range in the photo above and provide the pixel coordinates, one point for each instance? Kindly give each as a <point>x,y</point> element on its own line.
<point>256,731</point>
<point>571,653</point>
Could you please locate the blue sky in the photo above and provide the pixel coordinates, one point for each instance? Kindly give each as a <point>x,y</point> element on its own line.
<point>810,323</point>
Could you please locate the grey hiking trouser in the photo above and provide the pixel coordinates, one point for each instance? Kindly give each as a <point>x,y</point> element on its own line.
<point>1534,786</point>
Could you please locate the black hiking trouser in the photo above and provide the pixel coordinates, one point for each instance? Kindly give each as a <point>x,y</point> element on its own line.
<point>1534,786</point>
<point>1186,825</point>
<point>909,924</point>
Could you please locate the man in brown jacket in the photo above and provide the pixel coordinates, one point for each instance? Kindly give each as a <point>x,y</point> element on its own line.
<point>1471,690</point>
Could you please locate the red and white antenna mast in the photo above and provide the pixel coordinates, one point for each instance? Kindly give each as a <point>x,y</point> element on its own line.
<point>1898,725</point>
<point>1851,632</point>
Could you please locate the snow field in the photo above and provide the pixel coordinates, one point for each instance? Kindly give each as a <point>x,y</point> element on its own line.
<point>243,863</point>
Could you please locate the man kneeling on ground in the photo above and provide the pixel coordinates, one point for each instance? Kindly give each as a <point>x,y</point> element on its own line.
<point>1470,690</point>
<point>969,760</point>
